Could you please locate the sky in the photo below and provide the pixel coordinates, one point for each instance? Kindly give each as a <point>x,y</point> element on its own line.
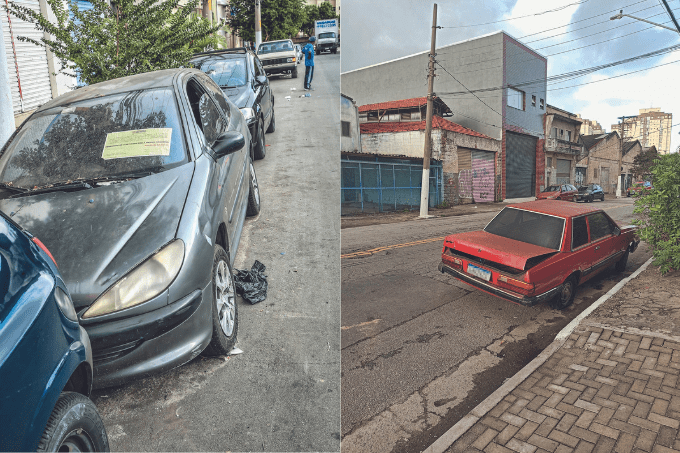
<point>572,34</point>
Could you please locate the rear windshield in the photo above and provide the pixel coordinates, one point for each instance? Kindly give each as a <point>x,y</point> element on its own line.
<point>273,47</point>
<point>226,73</point>
<point>67,143</point>
<point>552,189</point>
<point>527,226</point>
<point>326,35</point>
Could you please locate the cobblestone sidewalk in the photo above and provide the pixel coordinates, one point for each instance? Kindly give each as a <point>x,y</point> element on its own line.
<point>603,390</point>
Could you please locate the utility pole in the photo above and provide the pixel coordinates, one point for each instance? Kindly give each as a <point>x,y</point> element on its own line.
<point>258,25</point>
<point>619,184</point>
<point>427,153</point>
<point>7,116</point>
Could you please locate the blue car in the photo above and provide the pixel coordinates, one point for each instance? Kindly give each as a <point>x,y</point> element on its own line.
<point>45,356</point>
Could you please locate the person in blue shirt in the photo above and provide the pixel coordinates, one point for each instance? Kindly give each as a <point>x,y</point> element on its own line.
<point>308,52</point>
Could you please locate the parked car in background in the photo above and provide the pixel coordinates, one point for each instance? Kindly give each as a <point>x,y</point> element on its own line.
<point>240,75</point>
<point>538,251</point>
<point>279,57</point>
<point>559,192</point>
<point>45,358</point>
<point>639,188</point>
<point>590,192</point>
<point>139,187</point>
<point>298,52</point>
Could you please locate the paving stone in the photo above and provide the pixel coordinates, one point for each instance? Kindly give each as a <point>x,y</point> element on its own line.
<point>547,426</point>
<point>666,436</point>
<point>641,397</point>
<point>554,400</point>
<point>584,447</point>
<point>569,408</point>
<point>658,394</point>
<point>624,427</point>
<point>495,448</point>
<point>645,440</point>
<point>507,434</point>
<point>587,406</point>
<point>661,449</point>
<point>572,396</point>
<point>604,415</point>
<point>604,430</point>
<point>584,434</point>
<point>589,393</point>
<point>512,419</point>
<point>518,405</point>
<point>625,443</point>
<point>531,415</point>
<point>604,445</point>
<point>638,386</point>
<point>566,422</point>
<point>585,419</point>
<point>605,402</point>
<point>537,402</point>
<point>563,438</point>
<point>494,423</point>
<point>543,442</point>
<point>660,406</point>
<point>482,441</point>
<point>499,409</point>
<point>520,447</point>
<point>550,412</point>
<point>642,409</point>
<point>660,419</point>
<point>563,449</point>
<point>527,430</point>
<point>644,423</point>
<point>645,343</point>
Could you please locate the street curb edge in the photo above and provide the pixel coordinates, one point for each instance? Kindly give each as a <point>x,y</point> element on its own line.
<point>464,424</point>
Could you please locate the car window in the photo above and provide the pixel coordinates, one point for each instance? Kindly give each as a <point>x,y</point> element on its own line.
<point>579,233</point>
<point>600,226</point>
<point>206,113</point>
<point>229,72</point>
<point>552,189</point>
<point>67,143</point>
<point>527,226</point>
<point>219,95</point>
<point>257,66</point>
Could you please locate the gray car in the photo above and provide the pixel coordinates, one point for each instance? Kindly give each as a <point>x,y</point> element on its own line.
<point>139,187</point>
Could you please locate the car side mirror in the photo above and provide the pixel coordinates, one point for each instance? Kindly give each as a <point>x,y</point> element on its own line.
<point>261,80</point>
<point>228,143</point>
<point>617,231</point>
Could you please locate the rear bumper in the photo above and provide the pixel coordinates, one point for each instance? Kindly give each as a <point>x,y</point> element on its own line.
<point>495,291</point>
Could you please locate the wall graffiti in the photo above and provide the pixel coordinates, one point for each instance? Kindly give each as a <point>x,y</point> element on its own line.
<point>483,177</point>
<point>465,184</point>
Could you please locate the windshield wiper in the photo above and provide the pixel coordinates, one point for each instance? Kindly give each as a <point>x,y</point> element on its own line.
<point>5,185</point>
<point>57,187</point>
<point>121,176</point>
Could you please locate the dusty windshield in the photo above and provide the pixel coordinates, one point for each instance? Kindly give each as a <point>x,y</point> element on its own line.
<point>225,73</point>
<point>140,130</point>
<point>273,47</point>
<point>527,226</point>
<point>326,35</point>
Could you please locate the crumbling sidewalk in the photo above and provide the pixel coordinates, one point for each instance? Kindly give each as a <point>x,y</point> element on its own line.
<point>609,382</point>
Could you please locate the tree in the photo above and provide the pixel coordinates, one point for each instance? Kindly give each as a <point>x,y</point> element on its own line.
<point>311,15</point>
<point>126,38</point>
<point>280,19</point>
<point>326,11</point>
<point>644,162</point>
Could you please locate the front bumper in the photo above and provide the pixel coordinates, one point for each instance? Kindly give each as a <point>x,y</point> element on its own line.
<point>152,342</point>
<point>279,68</point>
<point>498,292</point>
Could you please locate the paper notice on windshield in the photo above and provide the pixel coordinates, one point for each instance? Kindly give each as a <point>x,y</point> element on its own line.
<point>137,143</point>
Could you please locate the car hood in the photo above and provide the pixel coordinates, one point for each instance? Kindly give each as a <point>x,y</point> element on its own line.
<point>273,55</point>
<point>96,236</point>
<point>240,96</point>
<point>497,249</point>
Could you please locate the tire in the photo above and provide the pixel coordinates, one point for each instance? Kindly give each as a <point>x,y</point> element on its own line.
<point>566,295</point>
<point>602,199</point>
<point>272,123</point>
<point>224,308</point>
<point>260,144</point>
<point>253,194</point>
<point>74,424</point>
<point>590,199</point>
<point>294,73</point>
<point>621,264</point>
<point>316,52</point>
<point>335,50</point>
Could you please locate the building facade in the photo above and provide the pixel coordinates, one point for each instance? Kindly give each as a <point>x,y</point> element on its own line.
<point>508,76</point>
<point>563,148</point>
<point>651,126</point>
<point>590,127</point>
<point>602,160</point>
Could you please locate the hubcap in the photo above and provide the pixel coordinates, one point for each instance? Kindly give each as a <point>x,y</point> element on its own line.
<point>77,440</point>
<point>566,293</point>
<point>224,298</point>
<point>256,189</point>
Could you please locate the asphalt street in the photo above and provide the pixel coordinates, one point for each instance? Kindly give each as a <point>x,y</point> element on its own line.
<point>419,348</point>
<point>283,392</point>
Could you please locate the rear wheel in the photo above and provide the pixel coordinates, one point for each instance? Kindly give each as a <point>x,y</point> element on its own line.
<point>294,73</point>
<point>259,141</point>
<point>272,123</point>
<point>566,295</point>
<point>602,199</point>
<point>590,199</point>
<point>253,194</point>
<point>224,308</point>
<point>621,264</point>
<point>75,425</point>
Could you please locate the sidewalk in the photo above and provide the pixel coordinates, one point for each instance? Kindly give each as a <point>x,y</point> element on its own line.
<point>609,382</point>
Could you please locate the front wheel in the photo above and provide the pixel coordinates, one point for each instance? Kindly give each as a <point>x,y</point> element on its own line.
<point>566,295</point>
<point>75,425</point>
<point>621,264</point>
<point>590,199</point>
<point>224,308</point>
<point>272,123</point>
<point>602,199</point>
<point>259,143</point>
<point>294,73</point>
<point>253,195</point>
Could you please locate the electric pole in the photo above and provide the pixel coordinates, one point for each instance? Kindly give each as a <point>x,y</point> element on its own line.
<point>619,179</point>
<point>258,25</point>
<point>427,153</point>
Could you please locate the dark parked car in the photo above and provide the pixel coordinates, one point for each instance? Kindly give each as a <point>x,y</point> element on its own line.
<point>559,192</point>
<point>589,193</point>
<point>538,251</point>
<point>139,186</point>
<point>45,358</point>
<point>239,73</point>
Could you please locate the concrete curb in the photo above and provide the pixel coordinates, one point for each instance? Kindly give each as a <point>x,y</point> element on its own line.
<point>464,424</point>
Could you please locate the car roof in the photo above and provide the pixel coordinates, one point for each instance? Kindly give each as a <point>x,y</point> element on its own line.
<point>145,81</point>
<point>557,208</point>
<point>280,40</point>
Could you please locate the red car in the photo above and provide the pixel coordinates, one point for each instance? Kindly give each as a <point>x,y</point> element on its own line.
<point>639,187</point>
<point>560,192</point>
<point>538,251</point>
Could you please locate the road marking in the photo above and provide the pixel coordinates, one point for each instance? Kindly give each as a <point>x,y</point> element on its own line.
<point>363,324</point>
<point>423,241</point>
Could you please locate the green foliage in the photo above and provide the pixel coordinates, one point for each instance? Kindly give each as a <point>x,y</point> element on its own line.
<point>326,11</point>
<point>644,162</point>
<point>212,41</point>
<point>128,38</point>
<point>311,14</point>
<point>659,211</point>
<point>280,19</point>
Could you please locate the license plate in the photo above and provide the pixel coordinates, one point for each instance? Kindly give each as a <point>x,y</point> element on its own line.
<point>479,272</point>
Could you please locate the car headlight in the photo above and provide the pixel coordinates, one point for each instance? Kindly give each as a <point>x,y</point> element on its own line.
<point>65,304</point>
<point>144,283</point>
<point>248,113</point>
<point>290,60</point>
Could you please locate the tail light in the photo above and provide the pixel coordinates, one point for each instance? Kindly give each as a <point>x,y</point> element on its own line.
<point>450,259</point>
<point>39,243</point>
<point>516,285</point>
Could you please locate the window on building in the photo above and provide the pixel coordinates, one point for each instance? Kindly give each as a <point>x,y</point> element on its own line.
<point>406,116</point>
<point>515,98</point>
<point>533,100</point>
<point>345,128</point>
<point>569,135</point>
<point>561,133</point>
<point>553,133</point>
<point>594,172</point>
<point>372,116</point>
<point>542,104</point>
<point>549,162</point>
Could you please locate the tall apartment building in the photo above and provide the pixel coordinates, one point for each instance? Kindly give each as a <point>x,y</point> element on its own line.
<point>590,127</point>
<point>651,126</point>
